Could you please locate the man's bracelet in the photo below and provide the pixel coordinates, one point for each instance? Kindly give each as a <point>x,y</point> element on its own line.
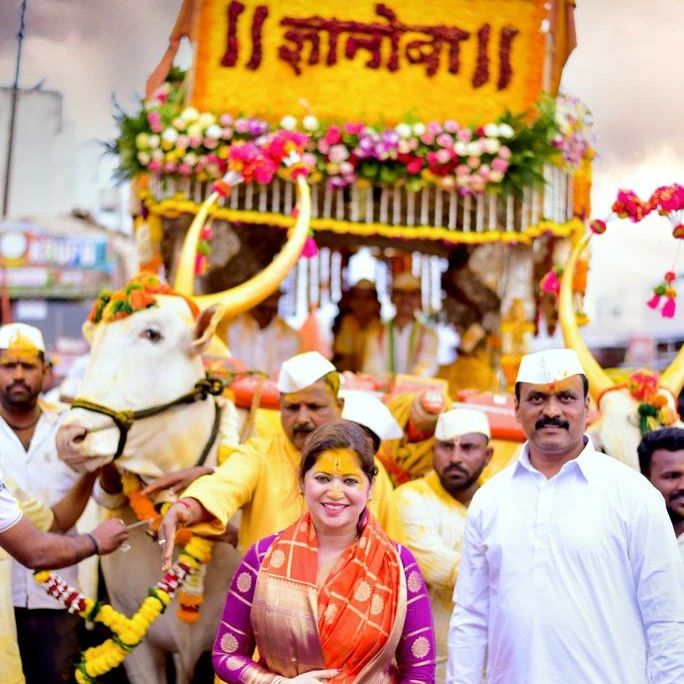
<point>93,541</point>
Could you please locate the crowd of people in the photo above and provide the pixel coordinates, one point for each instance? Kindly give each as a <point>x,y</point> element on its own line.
<point>373,549</point>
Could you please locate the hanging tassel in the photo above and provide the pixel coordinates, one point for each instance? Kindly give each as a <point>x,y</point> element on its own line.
<point>310,248</point>
<point>550,282</point>
<point>678,231</point>
<point>670,306</point>
<point>667,290</point>
<point>654,302</point>
<point>598,226</point>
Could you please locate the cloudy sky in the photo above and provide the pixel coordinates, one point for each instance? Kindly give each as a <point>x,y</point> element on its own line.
<point>627,68</point>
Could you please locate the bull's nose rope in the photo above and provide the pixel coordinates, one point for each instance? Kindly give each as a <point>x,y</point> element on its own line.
<point>127,633</point>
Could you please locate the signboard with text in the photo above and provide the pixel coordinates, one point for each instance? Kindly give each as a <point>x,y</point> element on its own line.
<point>468,60</point>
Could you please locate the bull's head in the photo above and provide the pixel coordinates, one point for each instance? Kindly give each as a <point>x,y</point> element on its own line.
<point>626,411</point>
<point>153,356</point>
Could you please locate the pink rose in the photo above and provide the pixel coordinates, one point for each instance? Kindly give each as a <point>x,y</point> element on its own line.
<point>185,169</point>
<point>505,152</point>
<point>499,164</point>
<point>155,166</point>
<point>465,134</point>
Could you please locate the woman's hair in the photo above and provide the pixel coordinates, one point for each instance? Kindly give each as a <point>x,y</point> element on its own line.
<point>340,434</point>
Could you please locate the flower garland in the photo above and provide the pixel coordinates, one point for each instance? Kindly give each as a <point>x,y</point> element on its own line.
<point>191,596</point>
<point>127,632</point>
<point>668,201</point>
<point>654,410</point>
<point>167,138</point>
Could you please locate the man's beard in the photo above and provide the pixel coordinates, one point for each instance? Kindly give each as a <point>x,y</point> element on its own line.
<point>24,403</point>
<point>455,487</point>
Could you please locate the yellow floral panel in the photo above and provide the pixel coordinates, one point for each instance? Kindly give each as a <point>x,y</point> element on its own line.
<point>369,61</point>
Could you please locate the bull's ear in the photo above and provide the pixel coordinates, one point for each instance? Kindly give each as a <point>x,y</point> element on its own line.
<point>206,327</point>
<point>88,330</point>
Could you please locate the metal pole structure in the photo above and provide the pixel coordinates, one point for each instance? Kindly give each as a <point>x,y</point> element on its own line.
<point>13,111</point>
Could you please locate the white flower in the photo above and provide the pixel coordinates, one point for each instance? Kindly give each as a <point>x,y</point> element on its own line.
<point>310,123</point>
<point>289,123</point>
<point>491,145</point>
<point>461,148</point>
<point>179,124</point>
<point>144,158</point>
<point>496,177</point>
<point>189,114</point>
<point>505,131</point>
<point>491,130</point>
<point>170,135</point>
<point>190,159</point>
<point>403,130</point>
<point>207,119</point>
<point>157,155</point>
<point>214,131</point>
<point>346,168</point>
<point>473,149</point>
<point>142,140</point>
<point>153,141</point>
<point>194,130</point>
<point>419,128</point>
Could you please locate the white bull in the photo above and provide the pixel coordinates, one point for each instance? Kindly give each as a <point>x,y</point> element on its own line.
<point>617,433</point>
<point>149,359</point>
<point>142,361</point>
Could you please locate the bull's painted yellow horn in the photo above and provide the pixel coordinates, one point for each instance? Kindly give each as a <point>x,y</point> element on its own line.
<point>256,289</point>
<point>598,380</point>
<point>673,377</point>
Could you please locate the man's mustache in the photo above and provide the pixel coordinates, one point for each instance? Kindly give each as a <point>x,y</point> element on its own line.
<point>456,467</point>
<point>676,495</point>
<point>304,429</point>
<point>18,383</point>
<point>552,422</point>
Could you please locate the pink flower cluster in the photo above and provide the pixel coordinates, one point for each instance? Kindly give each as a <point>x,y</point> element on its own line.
<point>574,137</point>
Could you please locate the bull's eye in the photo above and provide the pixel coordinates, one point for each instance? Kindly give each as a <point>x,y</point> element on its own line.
<point>151,334</point>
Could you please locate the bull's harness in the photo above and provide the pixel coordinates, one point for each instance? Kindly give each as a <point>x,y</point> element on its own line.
<point>124,419</point>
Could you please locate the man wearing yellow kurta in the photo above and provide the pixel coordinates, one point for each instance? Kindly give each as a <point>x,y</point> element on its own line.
<point>416,413</point>
<point>261,477</point>
<point>433,511</point>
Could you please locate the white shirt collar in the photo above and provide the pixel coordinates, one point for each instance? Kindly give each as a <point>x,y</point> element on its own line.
<point>581,463</point>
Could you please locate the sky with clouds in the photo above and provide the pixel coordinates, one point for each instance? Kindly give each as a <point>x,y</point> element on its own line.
<point>627,69</point>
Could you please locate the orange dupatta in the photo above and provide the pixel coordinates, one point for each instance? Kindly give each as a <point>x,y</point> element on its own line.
<point>352,614</point>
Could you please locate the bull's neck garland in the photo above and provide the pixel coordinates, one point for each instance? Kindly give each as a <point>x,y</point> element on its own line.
<point>186,575</point>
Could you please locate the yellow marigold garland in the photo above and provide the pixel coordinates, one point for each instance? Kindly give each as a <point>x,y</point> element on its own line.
<point>190,569</point>
<point>127,632</point>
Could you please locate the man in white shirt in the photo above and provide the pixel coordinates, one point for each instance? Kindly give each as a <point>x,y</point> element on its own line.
<point>433,510</point>
<point>261,339</point>
<point>28,456</point>
<point>404,344</point>
<point>570,572</point>
<point>661,459</point>
<point>37,549</point>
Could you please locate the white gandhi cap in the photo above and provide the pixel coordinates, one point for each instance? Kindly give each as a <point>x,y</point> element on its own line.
<point>302,370</point>
<point>21,336</point>
<point>369,411</point>
<point>461,421</point>
<point>551,365</point>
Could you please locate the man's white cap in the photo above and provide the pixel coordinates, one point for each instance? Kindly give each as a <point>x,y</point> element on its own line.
<point>302,370</point>
<point>369,411</point>
<point>550,365</point>
<point>21,336</point>
<point>461,421</point>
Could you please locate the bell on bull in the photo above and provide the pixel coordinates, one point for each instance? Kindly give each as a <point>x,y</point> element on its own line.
<point>619,431</point>
<point>144,402</point>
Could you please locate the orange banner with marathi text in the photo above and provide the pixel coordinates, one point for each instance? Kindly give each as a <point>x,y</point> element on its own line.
<point>468,60</point>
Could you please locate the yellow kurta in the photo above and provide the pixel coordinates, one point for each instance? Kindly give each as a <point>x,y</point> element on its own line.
<point>434,526</point>
<point>403,459</point>
<point>10,662</point>
<point>261,478</point>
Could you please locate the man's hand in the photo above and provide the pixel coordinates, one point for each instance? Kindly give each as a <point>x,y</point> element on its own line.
<point>109,535</point>
<point>176,481</point>
<point>176,517</point>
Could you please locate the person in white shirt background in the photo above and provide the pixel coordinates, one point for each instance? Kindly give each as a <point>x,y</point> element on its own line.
<point>570,571</point>
<point>404,344</point>
<point>661,459</point>
<point>28,456</point>
<point>261,339</point>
